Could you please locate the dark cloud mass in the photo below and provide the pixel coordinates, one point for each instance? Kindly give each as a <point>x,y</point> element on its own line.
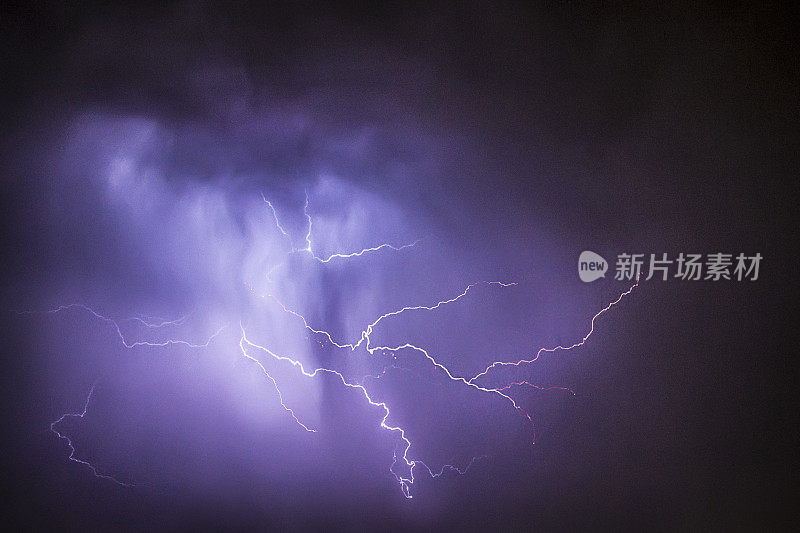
<point>140,144</point>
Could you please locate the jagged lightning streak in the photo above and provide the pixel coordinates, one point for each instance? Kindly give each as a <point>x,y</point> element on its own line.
<point>308,249</point>
<point>71,446</point>
<point>366,250</point>
<point>365,339</point>
<point>368,330</point>
<point>242,340</point>
<point>160,323</point>
<point>275,216</point>
<point>559,347</point>
<point>405,482</point>
<point>537,387</point>
<point>125,342</point>
<point>157,322</point>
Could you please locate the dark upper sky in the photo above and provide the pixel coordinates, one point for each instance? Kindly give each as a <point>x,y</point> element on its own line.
<point>520,134</point>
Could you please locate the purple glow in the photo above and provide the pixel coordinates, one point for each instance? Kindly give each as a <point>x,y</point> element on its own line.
<point>186,217</point>
<point>302,266</point>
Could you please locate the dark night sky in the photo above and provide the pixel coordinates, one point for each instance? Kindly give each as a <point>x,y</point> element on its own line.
<point>512,136</point>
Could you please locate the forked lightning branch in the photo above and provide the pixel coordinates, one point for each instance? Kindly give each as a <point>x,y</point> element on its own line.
<point>405,462</point>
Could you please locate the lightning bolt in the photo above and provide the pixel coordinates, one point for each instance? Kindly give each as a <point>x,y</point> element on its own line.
<point>144,321</point>
<point>149,323</point>
<point>308,248</point>
<point>71,446</point>
<point>368,330</point>
<point>156,322</point>
<point>557,348</point>
<point>406,482</point>
<point>242,342</point>
<point>403,466</point>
